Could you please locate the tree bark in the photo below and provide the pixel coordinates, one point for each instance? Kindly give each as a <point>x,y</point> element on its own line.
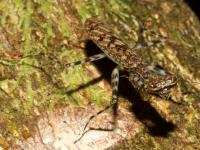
<point>44,104</point>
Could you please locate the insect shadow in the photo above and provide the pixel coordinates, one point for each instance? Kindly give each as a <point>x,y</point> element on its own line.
<point>144,112</point>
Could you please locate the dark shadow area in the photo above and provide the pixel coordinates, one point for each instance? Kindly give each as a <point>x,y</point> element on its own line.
<point>195,6</point>
<point>147,114</point>
<point>104,65</point>
<point>82,86</point>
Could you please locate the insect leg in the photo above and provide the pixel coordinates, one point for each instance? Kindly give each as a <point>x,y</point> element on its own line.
<point>114,83</point>
<point>89,59</point>
<point>140,45</point>
<point>157,70</point>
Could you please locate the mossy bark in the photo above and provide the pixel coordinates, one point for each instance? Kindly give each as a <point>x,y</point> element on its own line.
<point>39,37</point>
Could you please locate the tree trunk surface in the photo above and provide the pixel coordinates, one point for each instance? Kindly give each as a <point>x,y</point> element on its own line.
<point>45,105</point>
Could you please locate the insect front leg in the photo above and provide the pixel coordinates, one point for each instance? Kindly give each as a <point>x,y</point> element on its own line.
<point>114,99</point>
<point>115,85</point>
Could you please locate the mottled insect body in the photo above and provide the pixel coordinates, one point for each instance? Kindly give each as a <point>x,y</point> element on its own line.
<point>141,75</point>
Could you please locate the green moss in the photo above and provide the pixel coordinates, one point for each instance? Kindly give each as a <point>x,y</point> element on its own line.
<point>65,29</point>
<point>83,10</point>
<point>30,87</point>
<point>27,27</point>
<point>45,7</point>
<point>119,7</point>
<point>77,76</point>
<point>42,28</point>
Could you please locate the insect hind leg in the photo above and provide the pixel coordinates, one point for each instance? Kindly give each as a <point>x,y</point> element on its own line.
<point>83,61</point>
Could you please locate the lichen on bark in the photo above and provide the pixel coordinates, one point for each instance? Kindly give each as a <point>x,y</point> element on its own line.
<point>39,37</point>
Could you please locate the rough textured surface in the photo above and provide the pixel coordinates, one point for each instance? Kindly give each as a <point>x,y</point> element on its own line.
<point>45,106</point>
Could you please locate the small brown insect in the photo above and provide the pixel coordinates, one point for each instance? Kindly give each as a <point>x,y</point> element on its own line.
<point>145,78</point>
<point>142,76</point>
